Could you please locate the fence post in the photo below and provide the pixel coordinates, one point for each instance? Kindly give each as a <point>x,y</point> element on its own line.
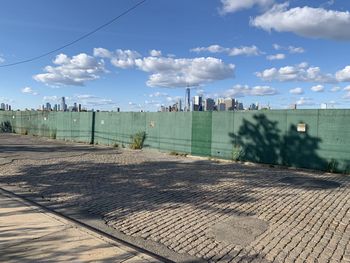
<point>93,128</point>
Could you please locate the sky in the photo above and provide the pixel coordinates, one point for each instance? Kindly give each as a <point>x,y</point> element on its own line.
<point>273,52</point>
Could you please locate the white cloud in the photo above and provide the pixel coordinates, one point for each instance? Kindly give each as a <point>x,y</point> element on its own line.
<point>29,90</point>
<point>92,100</point>
<point>155,53</point>
<point>301,72</point>
<point>231,6</point>
<point>305,21</point>
<point>347,88</point>
<point>53,98</point>
<point>278,56</point>
<point>120,58</point>
<point>318,88</point>
<point>73,71</point>
<point>6,100</point>
<point>171,72</point>
<point>343,75</point>
<point>297,91</point>
<point>290,49</point>
<point>235,51</point>
<point>335,89</point>
<point>158,94</point>
<point>245,90</point>
<point>295,50</point>
<point>2,60</point>
<point>305,101</point>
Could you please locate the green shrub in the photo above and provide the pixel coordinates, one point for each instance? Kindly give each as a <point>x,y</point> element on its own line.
<point>137,140</point>
<point>6,127</point>
<point>237,153</point>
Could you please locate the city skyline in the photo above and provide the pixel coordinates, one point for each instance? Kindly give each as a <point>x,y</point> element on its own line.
<point>252,51</point>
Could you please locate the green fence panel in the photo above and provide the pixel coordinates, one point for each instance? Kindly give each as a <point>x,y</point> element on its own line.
<point>302,148</point>
<point>201,133</point>
<point>334,133</point>
<point>152,130</point>
<point>222,144</point>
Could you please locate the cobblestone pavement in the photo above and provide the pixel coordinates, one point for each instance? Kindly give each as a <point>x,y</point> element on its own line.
<point>177,201</point>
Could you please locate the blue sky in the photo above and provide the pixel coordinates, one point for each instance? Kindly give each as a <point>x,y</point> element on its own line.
<point>267,51</point>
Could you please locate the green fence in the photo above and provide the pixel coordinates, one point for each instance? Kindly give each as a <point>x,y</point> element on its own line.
<point>259,136</point>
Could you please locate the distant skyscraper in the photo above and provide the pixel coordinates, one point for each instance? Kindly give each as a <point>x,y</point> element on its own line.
<point>48,106</point>
<point>187,100</point>
<point>179,104</point>
<point>229,104</point>
<point>2,106</point>
<point>63,104</point>
<point>79,107</point>
<point>197,103</point>
<point>10,108</point>
<point>209,104</point>
<point>221,106</point>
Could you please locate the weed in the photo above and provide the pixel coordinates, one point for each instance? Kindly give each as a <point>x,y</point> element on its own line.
<point>237,153</point>
<point>6,127</point>
<point>178,154</point>
<point>137,140</point>
<point>115,145</point>
<point>332,166</point>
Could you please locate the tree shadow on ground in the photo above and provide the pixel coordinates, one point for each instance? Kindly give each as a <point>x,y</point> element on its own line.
<point>262,141</point>
<point>179,195</point>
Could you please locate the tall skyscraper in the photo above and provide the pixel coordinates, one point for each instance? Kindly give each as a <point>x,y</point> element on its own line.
<point>209,104</point>
<point>2,106</point>
<point>197,103</point>
<point>48,106</point>
<point>229,104</point>
<point>63,104</point>
<point>187,100</point>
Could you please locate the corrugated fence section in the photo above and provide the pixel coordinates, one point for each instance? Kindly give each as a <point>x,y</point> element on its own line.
<point>273,137</point>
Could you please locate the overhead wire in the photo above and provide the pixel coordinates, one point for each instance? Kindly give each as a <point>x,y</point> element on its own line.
<point>76,40</point>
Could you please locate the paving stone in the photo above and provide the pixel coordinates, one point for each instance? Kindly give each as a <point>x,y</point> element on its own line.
<point>176,201</point>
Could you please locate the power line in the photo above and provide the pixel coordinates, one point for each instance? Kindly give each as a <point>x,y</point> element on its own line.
<point>76,40</point>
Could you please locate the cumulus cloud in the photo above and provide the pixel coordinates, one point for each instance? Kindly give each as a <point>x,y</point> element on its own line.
<point>235,51</point>
<point>297,91</point>
<point>301,72</point>
<point>290,49</point>
<point>231,6</point>
<point>169,72</point>
<point>305,21</point>
<point>335,89</point>
<point>2,60</point>
<point>119,58</point>
<point>53,98</point>
<point>305,101</point>
<point>343,75</point>
<point>318,88</point>
<point>173,72</point>
<point>155,53</point>
<point>92,100</point>
<point>245,90</point>
<point>158,94</point>
<point>278,56</point>
<point>29,90</point>
<point>73,71</point>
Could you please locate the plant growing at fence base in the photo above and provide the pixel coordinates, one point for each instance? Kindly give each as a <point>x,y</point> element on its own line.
<point>237,153</point>
<point>137,140</point>
<point>6,127</point>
